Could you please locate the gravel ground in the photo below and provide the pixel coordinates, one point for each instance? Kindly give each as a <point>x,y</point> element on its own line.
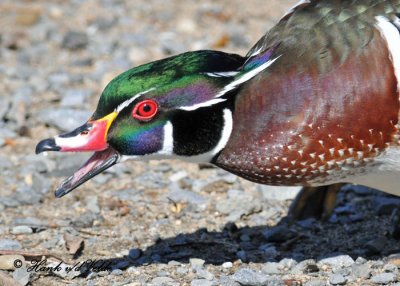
<point>164,222</point>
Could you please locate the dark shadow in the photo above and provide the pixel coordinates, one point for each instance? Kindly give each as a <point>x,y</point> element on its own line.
<point>307,239</point>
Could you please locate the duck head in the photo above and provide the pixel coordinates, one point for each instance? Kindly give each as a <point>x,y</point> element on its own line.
<point>176,107</point>
<point>171,107</point>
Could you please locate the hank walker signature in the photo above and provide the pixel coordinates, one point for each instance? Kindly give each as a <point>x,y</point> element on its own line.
<point>81,266</point>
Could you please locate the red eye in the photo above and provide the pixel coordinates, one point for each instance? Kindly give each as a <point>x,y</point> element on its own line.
<point>145,110</point>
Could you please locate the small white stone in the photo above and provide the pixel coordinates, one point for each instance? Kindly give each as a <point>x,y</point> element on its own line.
<point>227,265</point>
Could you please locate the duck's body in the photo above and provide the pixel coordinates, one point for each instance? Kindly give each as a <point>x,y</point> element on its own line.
<point>315,102</point>
<point>327,110</point>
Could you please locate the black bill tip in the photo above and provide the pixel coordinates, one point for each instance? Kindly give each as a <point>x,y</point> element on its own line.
<point>47,145</point>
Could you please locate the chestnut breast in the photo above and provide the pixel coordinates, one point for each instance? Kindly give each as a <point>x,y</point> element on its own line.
<point>321,113</point>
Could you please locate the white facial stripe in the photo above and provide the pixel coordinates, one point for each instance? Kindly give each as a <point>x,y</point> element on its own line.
<point>168,144</point>
<point>71,142</point>
<point>246,76</point>
<point>291,10</point>
<point>225,135</point>
<point>255,52</point>
<point>392,36</point>
<point>130,100</point>
<point>203,104</point>
<point>226,131</point>
<point>222,74</point>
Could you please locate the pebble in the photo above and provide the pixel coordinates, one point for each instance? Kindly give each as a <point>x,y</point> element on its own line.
<point>103,23</point>
<point>116,272</point>
<point>238,204</point>
<point>305,267</point>
<point>10,201</point>
<point>162,281</point>
<point>251,277</point>
<point>227,265</point>
<point>203,282</point>
<point>337,261</point>
<point>181,270</point>
<point>135,253</point>
<point>225,280</point>
<point>390,268</point>
<point>202,273</point>
<point>288,263</point>
<point>271,268</point>
<point>75,40</point>
<point>184,196</point>
<point>74,98</point>
<point>92,204</point>
<point>123,282</point>
<point>84,220</point>
<point>8,244</point>
<point>5,163</point>
<point>33,222</point>
<point>7,261</point>
<point>196,262</point>
<point>361,270</point>
<point>26,195</point>
<point>337,279</point>
<point>22,275</point>
<point>383,278</point>
<point>64,270</point>
<point>40,183</point>
<point>316,282</point>
<point>21,229</point>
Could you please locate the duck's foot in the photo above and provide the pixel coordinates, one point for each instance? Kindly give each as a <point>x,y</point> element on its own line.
<point>316,202</point>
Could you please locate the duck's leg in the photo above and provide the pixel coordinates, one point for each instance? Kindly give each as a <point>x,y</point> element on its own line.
<point>317,202</point>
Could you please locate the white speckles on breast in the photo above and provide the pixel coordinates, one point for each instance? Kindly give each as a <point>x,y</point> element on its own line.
<point>330,163</point>
<point>349,161</point>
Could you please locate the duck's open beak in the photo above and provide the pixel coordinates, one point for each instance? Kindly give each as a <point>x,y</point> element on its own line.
<point>92,136</point>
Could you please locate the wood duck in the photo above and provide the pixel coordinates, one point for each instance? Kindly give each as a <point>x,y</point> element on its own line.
<point>314,103</point>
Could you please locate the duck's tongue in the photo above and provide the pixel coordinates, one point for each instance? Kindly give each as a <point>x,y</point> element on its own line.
<point>100,161</point>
